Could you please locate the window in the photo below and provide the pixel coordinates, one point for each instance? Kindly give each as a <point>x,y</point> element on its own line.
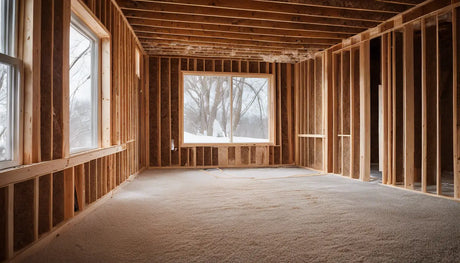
<point>84,88</point>
<point>9,86</point>
<point>226,108</point>
<point>137,61</point>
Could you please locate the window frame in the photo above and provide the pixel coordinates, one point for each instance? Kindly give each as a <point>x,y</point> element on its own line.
<point>85,30</point>
<point>10,59</point>
<point>231,75</point>
<point>104,113</point>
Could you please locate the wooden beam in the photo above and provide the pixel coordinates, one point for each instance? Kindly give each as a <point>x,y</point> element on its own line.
<point>282,55</point>
<point>69,197</point>
<point>329,111</point>
<point>402,2</point>
<point>385,87</point>
<point>153,31</point>
<point>365,144</point>
<point>31,62</point>
<point>424,9</point>
<point>424,109</point>
<point>174,38</point>
<point>134,21</point>
<point>280,24</point>
<point>409,107</point>
<point>10,222</point>
<point>262,11</point>
<point>250,5</point>
<point>362,5</point>
<point>210,46</point>
<point>456,131</point>
<point>296,95</point>
<point>438,114</point>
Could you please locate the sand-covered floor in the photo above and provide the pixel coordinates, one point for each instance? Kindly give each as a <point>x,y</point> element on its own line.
<point>259,215</point>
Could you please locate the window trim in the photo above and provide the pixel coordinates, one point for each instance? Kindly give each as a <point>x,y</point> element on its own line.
<point>84,29</point>
<point>271,105</point>
<point>16,72</point>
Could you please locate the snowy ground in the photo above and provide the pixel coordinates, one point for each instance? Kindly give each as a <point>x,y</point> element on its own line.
<point>193,138</point>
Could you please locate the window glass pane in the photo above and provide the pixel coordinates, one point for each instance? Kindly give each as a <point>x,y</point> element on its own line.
<point>81,96</point>
<point>206,109</point>
<point>3,26</point>
<point>250,110</point>
<point>5,113</point>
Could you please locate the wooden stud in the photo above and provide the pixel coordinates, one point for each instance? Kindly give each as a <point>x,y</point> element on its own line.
<point>409,106</point>
<point>385,87</point>
<point>69,197</point>
<point>32,63</point>
<point>365,146</point>
<point>456,101</point>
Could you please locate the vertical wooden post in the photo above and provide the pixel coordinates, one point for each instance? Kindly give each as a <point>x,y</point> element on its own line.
<point>69,197</point>
<point>36,206</point>
<point>79,178</point>
<point>365,144</point>
<point>424,109</point>
<point>389,104</point>
<point>66,14</point>
<point>455,123</point>
<point>329,113</point>
<point>146,75</point>
<point>352,115</point>
<point>393,110</point>
<point>438,116</point>
<point>297,111</point>
<point>10,222</point>
<point>385,106</point>
<point>409,106</point>
<point>31,62</point>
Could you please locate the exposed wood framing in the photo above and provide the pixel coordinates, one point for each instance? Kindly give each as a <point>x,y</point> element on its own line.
<point>420,101</point>
<point>165,98</point>
<point>53,186</point>
<point>312,101</point>
<point>185,27</point>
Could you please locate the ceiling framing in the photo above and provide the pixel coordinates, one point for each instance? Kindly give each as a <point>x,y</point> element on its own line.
<point>270,30</point>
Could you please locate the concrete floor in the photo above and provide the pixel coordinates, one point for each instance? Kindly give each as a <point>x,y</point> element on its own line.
<point>259,215</point>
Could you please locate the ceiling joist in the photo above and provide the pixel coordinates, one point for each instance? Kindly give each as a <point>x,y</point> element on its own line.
<point>306,18</point>
<point>236,29</point>
<point>276,7</point>
<point>270,30</point>
<point>253,23</point>
<point>234,36</point>
<point>360,5</point>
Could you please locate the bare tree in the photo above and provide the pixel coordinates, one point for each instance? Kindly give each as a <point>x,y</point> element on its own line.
<point>207,100</point>
<point>4,140</point>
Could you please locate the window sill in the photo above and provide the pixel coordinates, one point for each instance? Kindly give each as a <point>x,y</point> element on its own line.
<point>234,144</point>
<point>79,151</point>
<point>26,172</point>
